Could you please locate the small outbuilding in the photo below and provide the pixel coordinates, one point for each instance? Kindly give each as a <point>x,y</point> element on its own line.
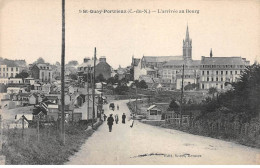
<point>154,113</point>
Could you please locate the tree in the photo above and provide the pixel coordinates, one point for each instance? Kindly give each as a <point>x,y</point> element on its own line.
<point>22,75</point>
<point>100,78</point>
<point>121,89</point>
<point>142,84</point>
<point>174,105</point>
<point>73,76</point>
<point>212,91</point>
<point>40,61</point>
<point>73,63</point>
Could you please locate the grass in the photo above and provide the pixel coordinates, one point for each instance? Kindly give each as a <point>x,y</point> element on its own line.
<point>26,150</point>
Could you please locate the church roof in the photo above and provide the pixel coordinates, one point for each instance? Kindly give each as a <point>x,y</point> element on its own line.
<point>181,62</point>
<point>222,61</point>
<point>161,58</point>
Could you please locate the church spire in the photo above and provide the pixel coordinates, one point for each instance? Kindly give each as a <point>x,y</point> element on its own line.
<point>187,33</point>
<point>211,52</point>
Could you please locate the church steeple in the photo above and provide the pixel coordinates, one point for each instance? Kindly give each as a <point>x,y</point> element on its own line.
<point>187,46</point>
<point>187,34</point>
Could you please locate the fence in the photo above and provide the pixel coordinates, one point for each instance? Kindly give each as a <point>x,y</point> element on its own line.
<point>245,133</point>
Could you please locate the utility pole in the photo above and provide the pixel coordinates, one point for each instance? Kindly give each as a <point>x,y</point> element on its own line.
<point>1,127</point>
<point>88,92</point>
<point>181,108</point>
<point>136,100</point>
<point>62,73</point>
<point>93,87</point>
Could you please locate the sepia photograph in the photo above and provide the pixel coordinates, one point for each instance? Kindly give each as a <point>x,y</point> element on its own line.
<point>129,82</point>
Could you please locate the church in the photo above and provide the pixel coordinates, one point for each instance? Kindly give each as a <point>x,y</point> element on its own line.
<point>168,69</point>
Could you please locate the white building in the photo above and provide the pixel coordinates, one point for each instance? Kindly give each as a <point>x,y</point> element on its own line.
<point>219,71</point>
<point>9,71</point>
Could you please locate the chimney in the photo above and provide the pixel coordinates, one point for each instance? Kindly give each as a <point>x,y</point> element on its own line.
<point>86,59</point>
<point>102,59</point>
<point>211,53</point>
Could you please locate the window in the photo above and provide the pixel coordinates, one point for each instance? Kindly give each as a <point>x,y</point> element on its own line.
<point>235,72</point>
<point>6,69</point>
<point>16,68</point>
<point>12,69</point>
<point>230,72</point>
<point>212,79</point>
<point>6,74</point>
<point>221,79</point>
<point>3,69</point>
<point>216,72</point>
<point>217,79</point>
<point>221,72</point>
<point>12,75</point>
<point>153,112</point>
<point>202,86</point>
<point>202,72</point>
<point>207,78</point>
<point>226,72</point>
<point>0,69</point>
<point>207,72</point>
<point>221,86</point>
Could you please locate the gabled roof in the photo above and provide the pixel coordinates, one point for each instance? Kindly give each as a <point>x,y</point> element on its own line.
<point>153,107</point>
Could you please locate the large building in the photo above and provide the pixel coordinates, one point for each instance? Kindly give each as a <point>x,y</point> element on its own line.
<point>218,72</point>
<point>42,72</point>
<point>102,67</point>
<point>9,71</point>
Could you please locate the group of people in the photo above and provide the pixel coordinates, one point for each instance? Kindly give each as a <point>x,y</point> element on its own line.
<point>110,120</point>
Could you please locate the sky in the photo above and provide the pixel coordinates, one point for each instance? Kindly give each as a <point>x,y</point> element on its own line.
<point>30,29</point>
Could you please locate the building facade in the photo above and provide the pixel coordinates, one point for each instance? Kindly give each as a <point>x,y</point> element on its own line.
<point>42,72</point>
<point>9,71</point>
<point>102,67</point>
<point>218,72</point>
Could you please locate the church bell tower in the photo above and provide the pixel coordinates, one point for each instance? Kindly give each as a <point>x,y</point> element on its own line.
<point>187,46</point>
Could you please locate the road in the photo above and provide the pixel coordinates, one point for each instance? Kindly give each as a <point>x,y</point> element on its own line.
<point>145,144</point>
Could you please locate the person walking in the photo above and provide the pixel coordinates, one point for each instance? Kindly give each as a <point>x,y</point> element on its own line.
<point>116,119</point>
<point>105,117</point>
<point>123,118</point>
<point>110,121</point>
<point>132,123</point>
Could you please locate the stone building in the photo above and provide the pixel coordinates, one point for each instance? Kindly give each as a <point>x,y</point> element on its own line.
<point>42,72</point>
<point>220,71</point>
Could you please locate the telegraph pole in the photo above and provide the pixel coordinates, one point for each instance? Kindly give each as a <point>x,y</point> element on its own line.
<point>88,92</point>
<point>62,73</point>
<point>93,87</point>
<point>181,93</point>
<point>135,100</point>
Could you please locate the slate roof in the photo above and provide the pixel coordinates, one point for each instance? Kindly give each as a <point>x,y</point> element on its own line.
<point>181,62</point>
<point>222,61</point>
<point>162,58</point>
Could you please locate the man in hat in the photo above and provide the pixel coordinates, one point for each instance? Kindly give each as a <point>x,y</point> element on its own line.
<point>110,121</point>
<point>123,118</point>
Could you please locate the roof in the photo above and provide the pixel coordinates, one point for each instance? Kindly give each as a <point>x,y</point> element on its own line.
<point>53,106</point>
<point>152,107</point>
<point>136,61</point>
<point>162,58</point>
<point>89,63</point>
<point>27,116</point>
<point>222,61</point>
<point>181,62</point>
